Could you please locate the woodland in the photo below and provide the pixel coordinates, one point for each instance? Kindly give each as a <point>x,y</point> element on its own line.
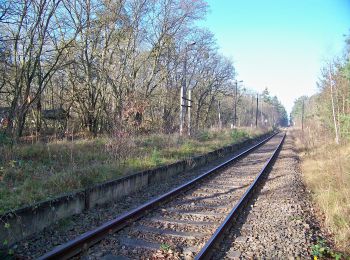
<point>322,140</point>
<point>117,67</point>
<point>328,111</point>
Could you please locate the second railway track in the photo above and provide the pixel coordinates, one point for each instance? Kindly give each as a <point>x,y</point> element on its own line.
<point>190,219</point>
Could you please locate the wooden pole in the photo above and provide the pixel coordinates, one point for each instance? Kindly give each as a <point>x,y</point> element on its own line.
<point>189,101</point>
<point>182,94</point>
<point>257,111</point>
<point>235,107</point>
<point>252,112</point>
<point>219,108</point>
<point>302,116</point>
<point>181,109</point>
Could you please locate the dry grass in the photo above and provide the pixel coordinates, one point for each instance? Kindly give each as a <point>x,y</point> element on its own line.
<point>33,172</point>
<point>326,171</point>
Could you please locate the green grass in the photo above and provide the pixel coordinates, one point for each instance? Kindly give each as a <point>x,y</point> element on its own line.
<point>33,172</point>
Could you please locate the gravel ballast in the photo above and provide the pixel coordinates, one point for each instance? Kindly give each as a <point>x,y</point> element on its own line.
<point>200,211</point>
<point>278,222</point>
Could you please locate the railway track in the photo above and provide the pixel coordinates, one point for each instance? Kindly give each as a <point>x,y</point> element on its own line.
<point>190,220</point>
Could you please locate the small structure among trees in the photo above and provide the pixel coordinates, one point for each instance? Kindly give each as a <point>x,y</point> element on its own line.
<point>4,114</point>
<point>54,114</point>
<point>114,64</point>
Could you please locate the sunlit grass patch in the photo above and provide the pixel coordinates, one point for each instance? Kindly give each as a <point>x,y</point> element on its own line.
<point>326,171</point>
<point>33,172</point>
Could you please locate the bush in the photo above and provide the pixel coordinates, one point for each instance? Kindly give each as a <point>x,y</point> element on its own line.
<point>5,139</point>
<point>36,151</point>
<point>345,126</point>
<point>237,135</point>
<point>203,136</point>
<point>155,157</point>
<point>187,149</point>
<point>120,146</point>
<point>154,141</point>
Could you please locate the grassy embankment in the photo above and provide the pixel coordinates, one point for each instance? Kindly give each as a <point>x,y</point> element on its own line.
<point>326,172</point>
<point>32,172</point>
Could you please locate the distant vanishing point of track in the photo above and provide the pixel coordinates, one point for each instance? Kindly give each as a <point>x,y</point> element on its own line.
<point>190,220</point>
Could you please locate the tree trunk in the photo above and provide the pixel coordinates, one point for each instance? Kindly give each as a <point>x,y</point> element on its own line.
<point>21,123</point>
<point>38,116</point>
<point>333,111</point>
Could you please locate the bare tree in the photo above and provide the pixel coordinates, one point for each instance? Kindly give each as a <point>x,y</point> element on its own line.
<point>36,53</point>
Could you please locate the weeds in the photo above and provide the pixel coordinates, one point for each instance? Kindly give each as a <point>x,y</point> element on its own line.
<point>33,172</point>
<point>6,252</point>
<point>322,250</point>
<point>155,157</point>
<point>120,146</point>
<point>326,172</point>
<point>165,247</point>
<point>5,138</point>
<point>237,135</point>
<point>295,218</point>
<point>204,135</point>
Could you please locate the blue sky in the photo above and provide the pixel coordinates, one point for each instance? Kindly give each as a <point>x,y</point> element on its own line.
<point>280,44</point>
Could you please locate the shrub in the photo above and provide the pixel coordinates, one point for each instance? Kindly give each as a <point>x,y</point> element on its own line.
<point>322,250</point>
<point>187,149</point>
<point>5,139</point>
<point>155,157</point>
<point>345,126</point>
<point>33,152</point>
<point>154,141</point>
<point>238,135</point>
<point>120,146</point>
<point>203,136</point>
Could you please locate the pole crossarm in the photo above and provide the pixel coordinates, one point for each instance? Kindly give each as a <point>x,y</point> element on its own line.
<point>187,99</point>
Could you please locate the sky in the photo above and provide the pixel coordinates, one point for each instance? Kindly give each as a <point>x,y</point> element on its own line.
<point>280,44</point>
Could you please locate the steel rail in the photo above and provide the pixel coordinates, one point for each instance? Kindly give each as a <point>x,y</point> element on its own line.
<point>89,238</point>
<point>210,247</point>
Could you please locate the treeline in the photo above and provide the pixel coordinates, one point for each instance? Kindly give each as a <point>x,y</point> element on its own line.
<point>328,112</point>
<point>106,66</point>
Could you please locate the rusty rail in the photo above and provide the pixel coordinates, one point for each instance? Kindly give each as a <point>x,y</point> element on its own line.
<point>210,247</point>
<point>90,238</point>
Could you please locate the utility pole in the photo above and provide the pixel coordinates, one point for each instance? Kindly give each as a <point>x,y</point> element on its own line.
<point>219,108</point>
<point>252,111</point>
<point>302,115</point>
<point>257,110</point>
<point>261,112</point>
<point>189,101</point>
<point>183,92</point>
<point>235,107</point>
<point>181,108</point>
<point>235,104</point>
